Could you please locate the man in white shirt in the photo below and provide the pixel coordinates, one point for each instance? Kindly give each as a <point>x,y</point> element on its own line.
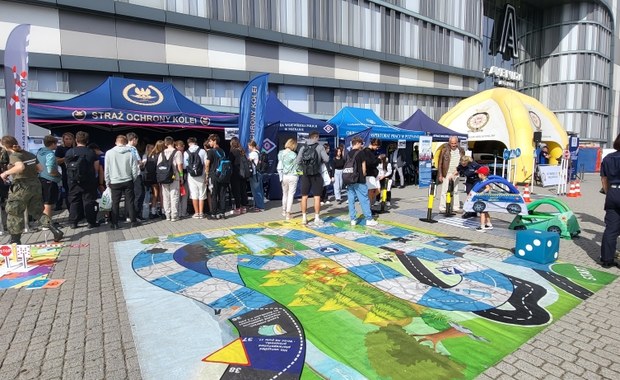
<point>170,191</point>
<point>449,158</point>
<point>197,184</point>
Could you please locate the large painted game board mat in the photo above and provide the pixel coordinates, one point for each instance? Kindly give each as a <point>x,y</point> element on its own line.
<point>284,301</point>
<point>40,260</point>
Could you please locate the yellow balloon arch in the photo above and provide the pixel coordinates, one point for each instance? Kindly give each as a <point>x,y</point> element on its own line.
<point>510,117</point>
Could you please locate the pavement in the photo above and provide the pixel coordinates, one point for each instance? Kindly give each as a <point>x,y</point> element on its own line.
<point>82,331</point>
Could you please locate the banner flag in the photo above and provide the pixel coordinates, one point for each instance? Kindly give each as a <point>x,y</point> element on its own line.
<point>425,171</point>
<point>252,111</point>
<point>365,135</point>
<point>16,83</point>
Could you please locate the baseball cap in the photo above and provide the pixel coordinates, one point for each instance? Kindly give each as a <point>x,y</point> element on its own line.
<point>483,170</point>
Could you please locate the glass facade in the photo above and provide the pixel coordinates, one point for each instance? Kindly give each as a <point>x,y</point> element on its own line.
<point>566,60</point>
<point>444,32</point>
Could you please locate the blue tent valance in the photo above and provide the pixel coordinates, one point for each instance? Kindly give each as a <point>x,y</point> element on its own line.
<point>287,120</point>
<point>128,102</point>
<point>419,121</point>
<point>351,120</point>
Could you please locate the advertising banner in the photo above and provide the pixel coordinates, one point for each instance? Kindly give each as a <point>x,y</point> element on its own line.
<point>426,161</point>
<point>16,83</point>
<point>573,148</point>
<point>252,111</point>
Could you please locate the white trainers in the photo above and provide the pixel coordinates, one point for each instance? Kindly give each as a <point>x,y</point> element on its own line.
<point>353,222</point>
<point>371,223</point>
<point>322,203</point>
<point>488,227</point>
<point>328,202</point>
<point>304,220</point>
<point>283,212</point>
<point>318,222</point>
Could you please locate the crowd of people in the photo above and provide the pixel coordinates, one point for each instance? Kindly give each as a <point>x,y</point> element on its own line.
<point>171,179</point>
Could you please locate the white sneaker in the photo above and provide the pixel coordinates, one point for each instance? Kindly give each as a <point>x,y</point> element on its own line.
<point>353,222</point>
<point>173,219</point>
<point>304,220</point>
<point>318,222</point>
<point>328,202</point>
<point>488,227</point>
<point>371,223</point>
<point>388,203</point>
<point>196,216</point>
<point>322,203</point>
<point>283,213</point>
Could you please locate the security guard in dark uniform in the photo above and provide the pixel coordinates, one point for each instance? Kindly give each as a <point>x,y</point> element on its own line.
<point>25,191</point>
<point>610,179</point>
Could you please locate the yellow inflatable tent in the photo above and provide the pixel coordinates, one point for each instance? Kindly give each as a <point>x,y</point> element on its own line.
<point>511,118</point>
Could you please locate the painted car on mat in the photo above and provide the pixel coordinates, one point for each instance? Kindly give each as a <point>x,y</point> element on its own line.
<point>503,197</point>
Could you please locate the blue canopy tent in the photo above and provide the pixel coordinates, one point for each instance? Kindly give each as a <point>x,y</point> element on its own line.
<point>282,124</point>
<point>351,120</point>
<point>128,102</point>
<point>419,121</point>
<point>277,115</point>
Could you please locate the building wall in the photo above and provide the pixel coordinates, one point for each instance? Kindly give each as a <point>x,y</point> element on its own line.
<point>322,55</point>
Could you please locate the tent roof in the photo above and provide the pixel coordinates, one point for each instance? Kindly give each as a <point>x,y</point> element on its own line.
<point>120,101</point>
<point>420,121</point>
<point>351,120</point>
<point>288,120</point>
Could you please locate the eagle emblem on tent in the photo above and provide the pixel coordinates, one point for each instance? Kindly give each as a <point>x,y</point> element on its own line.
<point>149,96</point>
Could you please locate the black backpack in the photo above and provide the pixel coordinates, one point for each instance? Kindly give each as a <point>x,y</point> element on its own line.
<point>263,163</point>
<point>150,169</point>
<point>310,161</point>
<point>224,168</point>
<point>78,170</point>
<point>245,170</point>
<point>350,172</point>
<point>165,169</point>
<point>195,166</point>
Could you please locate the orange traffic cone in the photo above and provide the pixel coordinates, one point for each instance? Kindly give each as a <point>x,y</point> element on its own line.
<point>526,194</point>
<point>577,188</point>
<point>571,192</point>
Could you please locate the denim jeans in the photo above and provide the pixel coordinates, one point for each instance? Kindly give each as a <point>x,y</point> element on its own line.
<point>256,185</point>
<point>338,184</point>
<point>359,190</point>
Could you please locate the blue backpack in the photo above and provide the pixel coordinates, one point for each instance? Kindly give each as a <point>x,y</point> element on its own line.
<point>224,168</point>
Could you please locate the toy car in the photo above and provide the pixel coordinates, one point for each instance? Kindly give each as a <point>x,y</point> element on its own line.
<point>563,222</point>
<point>503,197</point>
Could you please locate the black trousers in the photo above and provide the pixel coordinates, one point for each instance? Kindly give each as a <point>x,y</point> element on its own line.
<point>82,202</point>
<point>139,194</point>
<point>117,190</point>
<point>219,198</point>
<point>239,188</point>
<point>612,225</point>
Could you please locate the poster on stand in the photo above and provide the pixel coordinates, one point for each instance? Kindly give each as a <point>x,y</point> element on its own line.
<point>426,161</point>
<point>573,148</point>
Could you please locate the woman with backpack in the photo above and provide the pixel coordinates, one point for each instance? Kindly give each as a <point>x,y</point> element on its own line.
<point>150,180</point>
<point>287,170</point>
<point>240,174</point>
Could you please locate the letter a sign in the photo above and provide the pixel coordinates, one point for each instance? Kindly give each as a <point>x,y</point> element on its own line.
<point>507,44</point>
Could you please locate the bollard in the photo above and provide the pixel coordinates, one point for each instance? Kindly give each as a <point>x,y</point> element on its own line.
<point>429,212</point>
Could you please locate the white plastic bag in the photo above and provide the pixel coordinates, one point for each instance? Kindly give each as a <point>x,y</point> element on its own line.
<point>105,203</point>
<point>325,174</point>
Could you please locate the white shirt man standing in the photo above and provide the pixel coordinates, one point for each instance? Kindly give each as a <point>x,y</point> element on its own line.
<point>449,158</point>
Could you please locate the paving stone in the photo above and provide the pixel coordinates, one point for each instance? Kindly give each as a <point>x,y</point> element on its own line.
<point>91,304</point>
